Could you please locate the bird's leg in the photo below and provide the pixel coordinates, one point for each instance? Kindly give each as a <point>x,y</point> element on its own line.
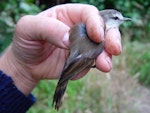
<point>94,65</point>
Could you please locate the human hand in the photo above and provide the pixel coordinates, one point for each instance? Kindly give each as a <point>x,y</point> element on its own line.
<point>40,44</point>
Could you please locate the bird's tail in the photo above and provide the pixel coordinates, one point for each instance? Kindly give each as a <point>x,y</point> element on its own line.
<point>58,96</point>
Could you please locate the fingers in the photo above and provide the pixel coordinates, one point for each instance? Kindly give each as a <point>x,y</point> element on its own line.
<point>77,13</point>
<point>104,62</point>
<point>94,24</point>
<point>112,47</point>
<point>43,28</point>
<point>113,41</point>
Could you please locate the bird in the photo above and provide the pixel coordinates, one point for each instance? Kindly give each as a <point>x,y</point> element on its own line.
<point>83,51</point>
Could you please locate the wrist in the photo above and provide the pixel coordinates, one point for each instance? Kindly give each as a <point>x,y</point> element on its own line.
<point>10,65</point>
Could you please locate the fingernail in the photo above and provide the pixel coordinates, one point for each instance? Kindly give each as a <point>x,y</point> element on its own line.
<point>66,40</point>
<point>100,34</point>
<point>108,59</point>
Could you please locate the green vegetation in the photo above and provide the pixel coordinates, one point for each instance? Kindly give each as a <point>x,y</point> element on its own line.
<point>85,95</point>
<point>10,12</point>
<point>138,58</point>
<point>81,96</point>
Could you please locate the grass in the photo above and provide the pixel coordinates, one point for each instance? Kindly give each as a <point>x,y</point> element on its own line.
<point>83,95</point>
<point>137,58</point>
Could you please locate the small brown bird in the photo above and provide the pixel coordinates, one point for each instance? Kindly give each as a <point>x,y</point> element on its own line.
<point>83,51</point>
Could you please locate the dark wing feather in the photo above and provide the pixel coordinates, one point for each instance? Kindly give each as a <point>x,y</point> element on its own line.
<point>74,68</point>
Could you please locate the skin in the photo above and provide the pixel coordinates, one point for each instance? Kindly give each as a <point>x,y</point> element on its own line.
<point>40,44</point>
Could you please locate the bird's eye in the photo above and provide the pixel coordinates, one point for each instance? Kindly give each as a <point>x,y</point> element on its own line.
<point>116,18</point>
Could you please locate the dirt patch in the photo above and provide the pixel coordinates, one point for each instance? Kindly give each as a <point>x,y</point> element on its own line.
<point>122,93</point>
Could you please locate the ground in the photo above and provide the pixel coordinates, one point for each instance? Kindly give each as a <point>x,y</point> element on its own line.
<point>127,95</point>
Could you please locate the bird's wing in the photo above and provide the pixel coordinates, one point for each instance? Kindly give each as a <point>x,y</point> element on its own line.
<point>75,67</point>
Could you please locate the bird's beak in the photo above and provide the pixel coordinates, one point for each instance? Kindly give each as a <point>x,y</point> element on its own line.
<point>127,19</point>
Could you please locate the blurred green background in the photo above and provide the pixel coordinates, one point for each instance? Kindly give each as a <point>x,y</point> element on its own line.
<point>93,94</point>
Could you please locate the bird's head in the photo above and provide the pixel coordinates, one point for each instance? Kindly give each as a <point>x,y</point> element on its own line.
<point>112,18</point>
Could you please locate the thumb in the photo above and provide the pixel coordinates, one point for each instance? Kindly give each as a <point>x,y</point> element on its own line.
<point>43,28</point>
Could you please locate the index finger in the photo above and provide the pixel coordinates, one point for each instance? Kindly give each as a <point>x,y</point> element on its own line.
<point>71,14</point>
